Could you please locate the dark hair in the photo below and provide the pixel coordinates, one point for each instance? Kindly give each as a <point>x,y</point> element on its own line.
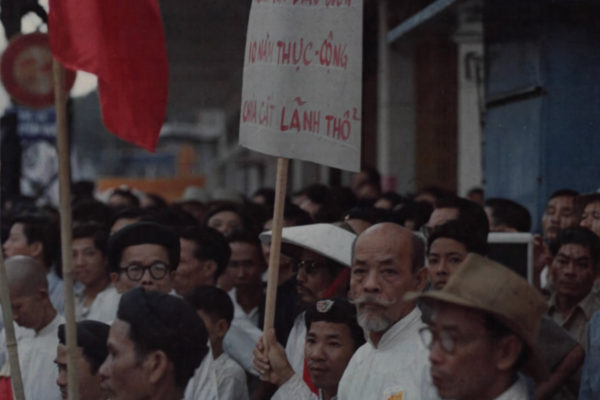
<point>157,200</point>
<point>456,231</point>
<point>143,233</point>
<point>222,206</point>
<point>470,214</point>
<point>498,330</point>
<point>91,210</point>
<point>125,192</point>
<point>39,228</point>
<point>91,337</point>
<point>418,252</point>
<point>210,245</point>
<point>581,236</point>
<point>318,193</point>
<point>295,215</point>
<point>159,321</point>
<point>95,232</point>
<point>246,237</point>
<point>212,300</point>
<point>339,311</point>
<point>416,211</point>
<point>393,197</point>
<point>563,193</point>
<point>373,175</point>
<point>129,213</point>
<point>509,213</point>
<point>268,194</point>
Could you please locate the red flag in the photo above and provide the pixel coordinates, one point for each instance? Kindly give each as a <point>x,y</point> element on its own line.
<point>123,43</point>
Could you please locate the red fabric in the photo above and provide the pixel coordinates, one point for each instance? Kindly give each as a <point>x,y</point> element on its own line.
<point>308,380</point>
<point>123,43</point>
<point>5,389</point>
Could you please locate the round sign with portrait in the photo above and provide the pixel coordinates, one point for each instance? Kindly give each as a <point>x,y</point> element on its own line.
<point>26,71</point>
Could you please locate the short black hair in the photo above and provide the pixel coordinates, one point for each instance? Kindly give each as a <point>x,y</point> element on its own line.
<point>95,232</point>
<point>91,337</point>
<point>563,193</point>
<point>470,214</point>
<point>90,210</point>
<point>455,230</point>
<point>143,233</point>
<point>159,321</point>
<point>339,311</point>
<point>510,213</point>
<point>137,213</point>
<point>581,236</point>
<point>39,228</point>
<point>212,300</point>
<point>210,245</point>
<point>246,237</point>
<point>222,206</point>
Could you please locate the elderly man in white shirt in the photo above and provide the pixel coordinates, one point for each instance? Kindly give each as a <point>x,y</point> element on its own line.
<point>32,309</point>
<point>388,262</point>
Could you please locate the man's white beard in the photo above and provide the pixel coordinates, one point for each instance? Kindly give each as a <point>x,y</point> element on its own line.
<point>373,323</point>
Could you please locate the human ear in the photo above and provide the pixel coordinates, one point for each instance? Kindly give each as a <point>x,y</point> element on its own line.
<point>155,365</point>
<point>420,279</point>
<point>221,328</point>
<point>508,351</point>
<point>36,249</point>
<point>210,268</point>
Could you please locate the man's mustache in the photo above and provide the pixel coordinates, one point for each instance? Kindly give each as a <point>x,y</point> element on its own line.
<point>358,301</point>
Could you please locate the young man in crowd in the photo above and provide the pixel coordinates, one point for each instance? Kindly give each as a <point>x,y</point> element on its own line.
<point>154,346</point>
<point>203,258</point>
<point>320,254</point>
<point>91,353</point>
<point>215,308</point>
<point>96,298</point>
<point>483,333</point>
<point>388,262</point>
<point>469,214</point>
<point>559,213</point>
<point>333,335</point>
<point>143,254</point>
<point>32,309</point>
<point>506,215</point>
<point>37,236</point>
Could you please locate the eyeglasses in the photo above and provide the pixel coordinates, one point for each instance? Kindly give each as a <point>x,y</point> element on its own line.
<point>309,266</point>
<point>135,272</point>
<point>448,343</point>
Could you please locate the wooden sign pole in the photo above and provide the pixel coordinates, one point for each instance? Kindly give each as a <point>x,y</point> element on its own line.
<point>64,176</point>
<point>273,280</point>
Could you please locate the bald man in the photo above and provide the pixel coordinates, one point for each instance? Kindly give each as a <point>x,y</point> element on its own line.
<point>388,261</point>
<point>32,309</point>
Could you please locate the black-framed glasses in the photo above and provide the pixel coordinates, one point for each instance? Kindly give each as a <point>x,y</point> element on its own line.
<point>309,266</point>
<point>447,341</point>
<point>135,272</point>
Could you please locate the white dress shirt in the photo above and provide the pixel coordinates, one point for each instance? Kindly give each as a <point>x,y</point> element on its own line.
<point>294,348</point>
<point>203,385</point>
<point>295,388</point>
<point>103,308</point>
<point>231,378</point>
<point>398,365</point>
<point>518,391</point>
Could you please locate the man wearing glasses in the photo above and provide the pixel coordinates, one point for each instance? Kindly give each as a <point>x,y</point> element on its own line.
<point>143,254</point>
<point>483,332</point>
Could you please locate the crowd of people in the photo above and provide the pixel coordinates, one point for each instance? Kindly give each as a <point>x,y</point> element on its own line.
<point>380,296</point>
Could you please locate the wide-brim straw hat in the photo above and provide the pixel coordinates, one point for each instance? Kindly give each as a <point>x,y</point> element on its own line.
<point>327,240</point>
<point>488,286</point>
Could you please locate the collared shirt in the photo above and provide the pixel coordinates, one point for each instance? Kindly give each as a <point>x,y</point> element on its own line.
<point>295,388</point>
<point>36,358</point>
<point>238,311</point>
<point>590,377</point>
<point>576,322</point>
<point>103,308</point>
<point>517,391</point>
<point>294,348</point>
<point>397,366</point>
<point>203,385</point>
<point>231,378</point>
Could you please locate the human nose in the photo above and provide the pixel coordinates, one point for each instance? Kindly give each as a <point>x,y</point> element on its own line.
<point>371,282</point>
<point>62,378</point>
<point>146,277</point>
<point>316,352</point>
<point>586,223</point>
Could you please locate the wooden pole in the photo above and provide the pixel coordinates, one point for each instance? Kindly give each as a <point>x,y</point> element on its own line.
<point>64,176</point>
<point>272,283</point>
<point>9,330</point>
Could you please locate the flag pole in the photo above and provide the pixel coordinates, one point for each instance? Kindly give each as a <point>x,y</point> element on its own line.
<point>272,282</point>
<point>9,330</point>
<point>64,175</point>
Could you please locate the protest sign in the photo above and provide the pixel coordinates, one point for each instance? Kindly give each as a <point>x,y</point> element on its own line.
<point>302,90</point>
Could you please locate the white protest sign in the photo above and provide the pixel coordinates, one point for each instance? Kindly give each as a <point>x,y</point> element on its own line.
<point>302,89</point>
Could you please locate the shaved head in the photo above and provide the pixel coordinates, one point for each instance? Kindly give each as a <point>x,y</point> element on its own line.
<point>25,276</point>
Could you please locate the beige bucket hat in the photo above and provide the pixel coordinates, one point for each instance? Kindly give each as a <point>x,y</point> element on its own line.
<point>328,240</point>
<point>486,285</point>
